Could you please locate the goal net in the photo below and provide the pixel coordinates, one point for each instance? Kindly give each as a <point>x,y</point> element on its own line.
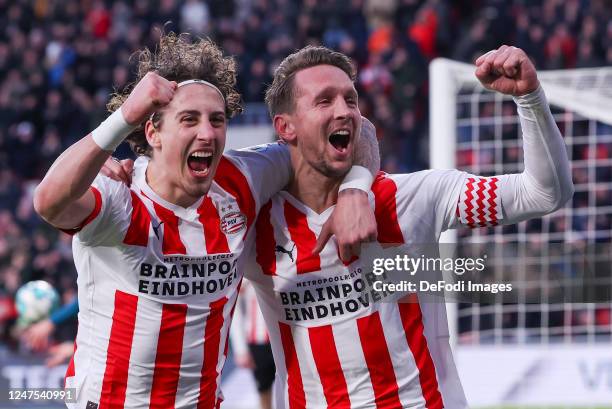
<point>478,131</point>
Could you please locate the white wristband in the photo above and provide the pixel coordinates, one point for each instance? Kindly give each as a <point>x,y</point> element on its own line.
<point>357,178</point>
<point>110,133</point>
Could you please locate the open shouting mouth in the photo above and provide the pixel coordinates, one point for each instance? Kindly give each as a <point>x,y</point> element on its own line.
<point>199,162</point>
<point>340,140</point>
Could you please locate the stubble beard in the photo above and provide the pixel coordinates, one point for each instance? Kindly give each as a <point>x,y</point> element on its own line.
<point>327,170</point>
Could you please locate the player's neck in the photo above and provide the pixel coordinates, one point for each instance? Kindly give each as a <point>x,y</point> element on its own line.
<point>160,183</point>
<point>314,189</point>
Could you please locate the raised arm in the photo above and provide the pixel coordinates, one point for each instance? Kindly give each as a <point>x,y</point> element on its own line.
<point>546,184</point>
<point>63,198</point>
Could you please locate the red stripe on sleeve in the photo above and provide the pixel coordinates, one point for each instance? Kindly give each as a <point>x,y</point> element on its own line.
<point>304,239</point>
<point>412,321</point>
<point>168,358</point>
<point>97,207</point>
<point>385,210</point>
<point>119,349</point>
<point>265,242</point>
<point>171,243</point>
<point>328,365</point>
<point>212,346</point>
<point>378,360</point>
<point>480,202</point>
<point>492,196</point>
<point>138,231</point>
<point>297,397</point>
<point>230,178</point>
<point>469,216</point>
<point>94,213</point>
<point>216,242</point>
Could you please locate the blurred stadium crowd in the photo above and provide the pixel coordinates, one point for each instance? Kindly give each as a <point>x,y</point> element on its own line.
<point>60,60</point>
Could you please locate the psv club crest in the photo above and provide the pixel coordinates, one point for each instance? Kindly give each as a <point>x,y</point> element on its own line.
<point>233,222</point>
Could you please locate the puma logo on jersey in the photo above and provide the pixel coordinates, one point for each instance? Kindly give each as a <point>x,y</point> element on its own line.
<point>281,249</point>
<point>156,229</point>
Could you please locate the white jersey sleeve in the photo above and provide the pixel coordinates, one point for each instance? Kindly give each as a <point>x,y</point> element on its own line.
<point>432,197</point>
<point>267,168</point>
<point>543,187</point>
<point>546,183</point>
<point>107,223</point>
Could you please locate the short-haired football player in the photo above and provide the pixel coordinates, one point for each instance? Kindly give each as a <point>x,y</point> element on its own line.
<point>336,345</point>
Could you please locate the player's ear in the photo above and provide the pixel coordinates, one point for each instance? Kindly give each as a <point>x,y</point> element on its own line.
<point>283,125</point>
<point>152,135</point>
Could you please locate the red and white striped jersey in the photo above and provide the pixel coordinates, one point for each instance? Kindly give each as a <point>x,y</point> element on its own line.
<point>158,283</point>
<point>334,345</point>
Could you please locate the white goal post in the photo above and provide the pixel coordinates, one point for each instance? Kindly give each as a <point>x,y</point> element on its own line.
<point>581,94</point>
<point>546,352</point>
<point>587,92</point>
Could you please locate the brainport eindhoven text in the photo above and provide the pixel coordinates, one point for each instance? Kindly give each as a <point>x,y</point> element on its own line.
<point>440,286</point>
<point>180,276</point>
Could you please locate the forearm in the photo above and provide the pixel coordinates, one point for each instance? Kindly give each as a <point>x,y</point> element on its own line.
<point>62,198</point>
<point>69,178</point>
<point>366,163</point>
<point>546,183</point>
<point>353,220</point>
<point>367,153</point>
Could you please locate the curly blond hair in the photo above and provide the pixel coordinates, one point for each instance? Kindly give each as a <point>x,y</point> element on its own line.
<point>177,58</point>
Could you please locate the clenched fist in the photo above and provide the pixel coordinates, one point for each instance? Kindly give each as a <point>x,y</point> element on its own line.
<point>507,70</point>
<point>150,94</point>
